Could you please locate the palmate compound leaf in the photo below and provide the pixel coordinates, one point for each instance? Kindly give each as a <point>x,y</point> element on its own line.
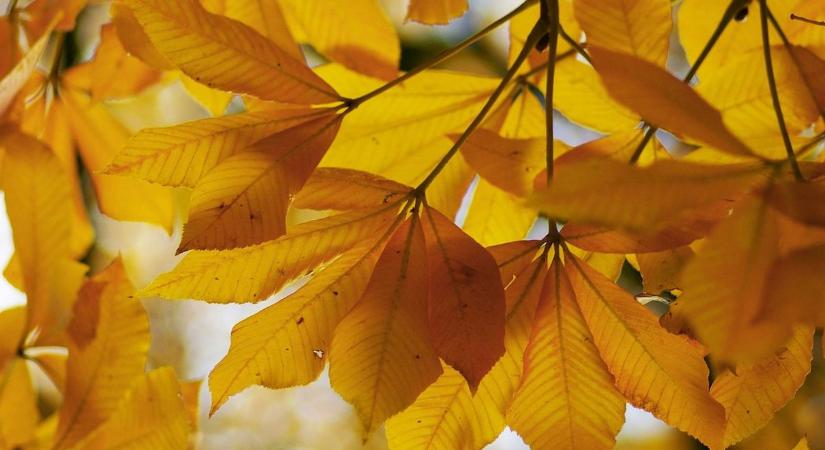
<point>226,54</point>
<point>434,12</point>
<point>637,27</point>
<point>654,370</point>
<point>151,416</point>
<point>753,393</point>
<point>662,100</point>
<point>602,191</point>
<point>251,274</point>
<point>357,34</point>
<point>381,357</point>
<point>447,415</point>
<point>466,304</point>
<point>566,398</point>
<point>38,197</point>
<point>109,340</point>
<point>243,199</point>
<point>181,155</point>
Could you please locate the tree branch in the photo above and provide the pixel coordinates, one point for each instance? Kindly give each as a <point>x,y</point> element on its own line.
<point>733,7</point>
<point>441,57</point>
<point>777,106</point>
<point>535,35</point>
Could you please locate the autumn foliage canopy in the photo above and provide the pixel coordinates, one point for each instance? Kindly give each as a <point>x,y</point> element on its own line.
<point>396,209</point>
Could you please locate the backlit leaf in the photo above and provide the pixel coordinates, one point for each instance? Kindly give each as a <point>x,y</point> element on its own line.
<point>662,100</point>
<point>381,357</point>
<point>107,317</point>
<point>752,394</point>
<point>466,306</point>
<point>238,58</point>
<point>655,370</point>
<point>566,399</point>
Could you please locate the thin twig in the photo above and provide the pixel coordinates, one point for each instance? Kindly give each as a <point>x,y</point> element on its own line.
<point>441,57</point>
<point>532,39</point>
<point>574,43</point>
<point>552,19</point>
<point>777,106</point>
<point>820,23</point>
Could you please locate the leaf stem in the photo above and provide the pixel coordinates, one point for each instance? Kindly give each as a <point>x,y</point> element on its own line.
<point>820,23</point>
<point>575,44</point>
<point>535,35</point>
<point>552,19</point>
<point>795,59</point>
<point>777,107</point>
<point>733,7</point>
<point>441,57</point>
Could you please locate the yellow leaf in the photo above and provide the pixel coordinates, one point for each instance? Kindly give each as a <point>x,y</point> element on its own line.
<point>660,270</point>
<point>12,327</point>
<point>603,191</point>
<point>581,97</point>
<point>134,38</point>
<point>407,119</point>
<point>509,164</point>
<point>180,155</point>
<point>213,100</point>
<point>381,357</point>
<point>604,240</point>
<point>226,54</point>
<point>116,73</point>
<point>252,273</point>
<point>801,33</point>
<point>436,11</point>
<point>793,280</point>
<point>107,352</point>
<point>99,136</point>
<point>662,100</point>
<point>243,199</point>
<point>18,404</point>
<point>39,203</point>
<point>754,393</point>
<point>151,416</point>
<point>496,217</point>
<point>740,91</point>
<point>13,81</point>
<point>344,189</point>
<point>655,370</point>
<point>466,305</point>
<point>724,283</point>
<point>286,344</point>
<point>802,445</point>
<point>357,34</point>
<point>566,399</point>
<point>266,17</point>
<point>636,27</point>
